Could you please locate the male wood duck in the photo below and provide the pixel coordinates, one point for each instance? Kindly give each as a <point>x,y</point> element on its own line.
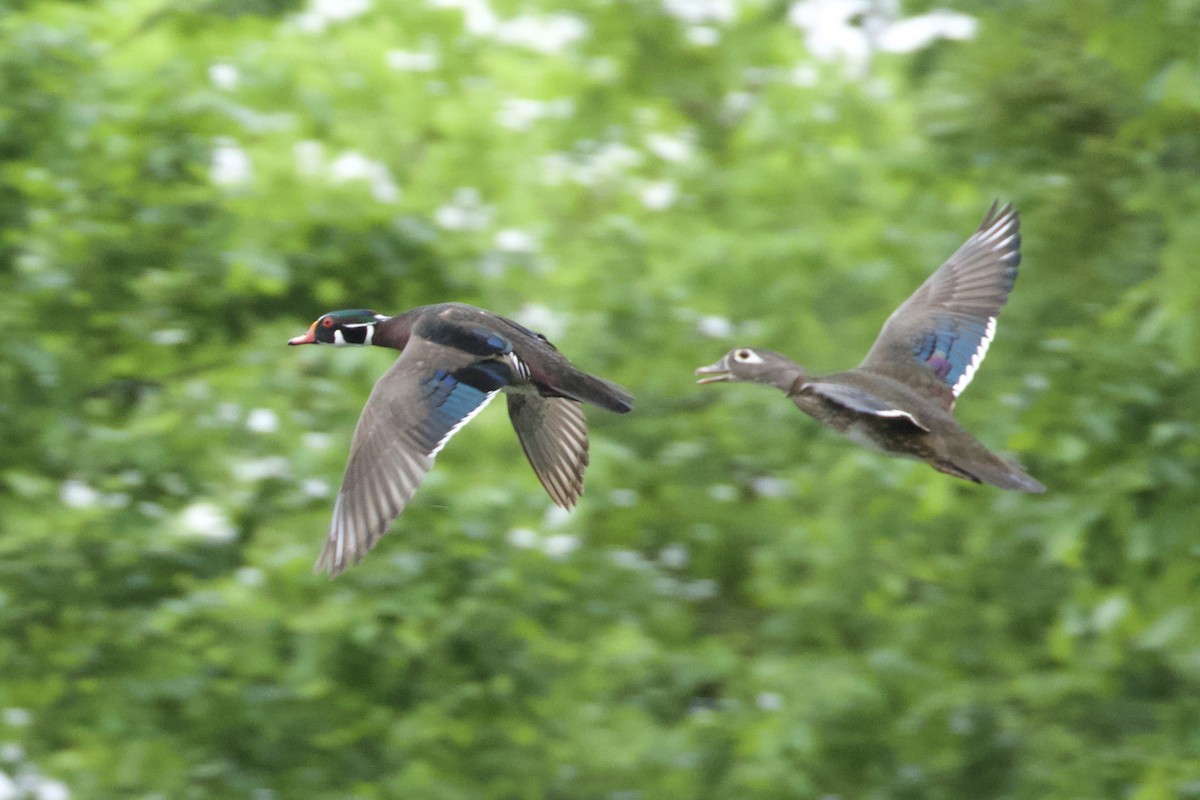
<point>900,399</point>
<point>454,359</point>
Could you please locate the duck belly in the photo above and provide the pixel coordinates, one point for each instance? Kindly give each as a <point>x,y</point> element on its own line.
<point>867,435</point>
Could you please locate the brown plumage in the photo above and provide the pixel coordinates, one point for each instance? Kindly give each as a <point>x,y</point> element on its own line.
<point>900,399</point>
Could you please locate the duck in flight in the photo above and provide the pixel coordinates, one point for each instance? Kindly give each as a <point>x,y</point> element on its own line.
<point>454,358</point>
<point>900,399</point>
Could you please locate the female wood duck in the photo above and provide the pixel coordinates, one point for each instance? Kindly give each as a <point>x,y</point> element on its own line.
<point>900,399</point>
<point>454,358</point>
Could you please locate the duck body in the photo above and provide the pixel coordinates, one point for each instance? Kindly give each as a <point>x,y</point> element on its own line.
<point>535,366</point>
<point>931,434</point>
<point>454,358</point>
<point>900,400</point>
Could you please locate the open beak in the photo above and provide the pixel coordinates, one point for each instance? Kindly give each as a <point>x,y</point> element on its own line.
<point>308,338</point>
<point>714,373</point>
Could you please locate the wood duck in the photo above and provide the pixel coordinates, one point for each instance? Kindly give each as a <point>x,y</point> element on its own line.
<point>454,359</point>
<point>900,399</point>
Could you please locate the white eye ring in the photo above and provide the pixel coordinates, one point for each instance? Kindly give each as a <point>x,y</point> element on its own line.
<point>747,356</point>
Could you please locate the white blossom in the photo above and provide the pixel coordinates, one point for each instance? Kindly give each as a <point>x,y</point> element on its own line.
<point>514,240</point>
<point>317,440</point>
<point>550,323</point>
<point>410,61</point>
<point>629,559</point>
<point>676,148</point>
<point>703,35</point>
<point>77,494</point>
<point>168,337</point>
<point>257,469</point>
<point>916,33</point>
<point>700,11</point>
<point>320,13</point>
<point>769,701</point>
<point>50,789</point>
<point>771,487</point>
<point>522,537</point>
<point>465,211</point>
<point>310,156</point>
<point>262,420</point>
<point>623,498</point>
<point>230,163</point>
<point>16,717</point>
<point>352,165</point>
<point>714,327</point>
<point>659,195</point>
<point>250,576</point>
<point>205,521</point>
<point>828,32</point>
<point>224,76</point>
<point>702,589</point>
<point>547,34</point>
<point>560,545</point>
<point>722,492</point>
<point>315,488</point>
<point>847,30</point>
<point>675,556</point>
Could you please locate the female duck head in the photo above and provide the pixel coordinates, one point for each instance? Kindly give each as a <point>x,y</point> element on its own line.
<point>752,366</point>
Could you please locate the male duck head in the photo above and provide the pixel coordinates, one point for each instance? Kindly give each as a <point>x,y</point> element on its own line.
<point>356,326</point>
<point>744,364</point>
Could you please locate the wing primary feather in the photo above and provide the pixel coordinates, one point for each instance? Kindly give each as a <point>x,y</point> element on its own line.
<point>411,414</point>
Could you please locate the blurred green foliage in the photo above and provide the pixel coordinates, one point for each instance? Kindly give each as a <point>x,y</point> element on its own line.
<point>744,605</point>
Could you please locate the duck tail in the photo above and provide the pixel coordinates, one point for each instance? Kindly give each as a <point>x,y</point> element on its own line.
<point>990,468</point>
<point>595,391</point>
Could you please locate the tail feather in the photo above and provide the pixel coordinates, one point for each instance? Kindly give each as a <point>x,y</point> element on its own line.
<point>596,391</point>
<point>992,470</point>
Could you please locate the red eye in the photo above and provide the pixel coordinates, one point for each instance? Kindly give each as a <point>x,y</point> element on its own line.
<point>327,322</point>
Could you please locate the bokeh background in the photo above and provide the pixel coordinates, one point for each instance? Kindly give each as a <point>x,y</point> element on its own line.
<point>744,605</point>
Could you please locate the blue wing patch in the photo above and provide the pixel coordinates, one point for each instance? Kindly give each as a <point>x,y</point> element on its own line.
<point>954,348</point>
<point>452,398</point>
<point>472,339</point>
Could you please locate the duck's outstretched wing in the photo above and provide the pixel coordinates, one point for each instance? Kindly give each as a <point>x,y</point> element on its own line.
<point>553,434</point>
<point>938,337</point>
<point>429,393</point>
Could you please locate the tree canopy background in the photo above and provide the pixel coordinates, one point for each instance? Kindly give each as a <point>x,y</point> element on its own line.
<point>744,605</point>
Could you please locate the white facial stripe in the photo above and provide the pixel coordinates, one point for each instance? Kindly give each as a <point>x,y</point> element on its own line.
<point>339,338</point>
<point>368,334</point>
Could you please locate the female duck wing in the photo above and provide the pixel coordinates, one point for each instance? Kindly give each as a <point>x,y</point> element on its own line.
<point>428,394</point>
<point>553,434</point>
<point>938,337</point>
<point>862,401</point>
